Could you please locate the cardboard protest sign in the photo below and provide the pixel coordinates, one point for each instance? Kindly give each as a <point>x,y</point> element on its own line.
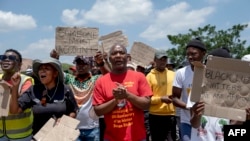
<point>26,64</point>
<point>77,41</point>
<point>224,85</point>
<point>4,98</point>
<point>107,41</point>
<point>65,130</point>
<point>142,54</point>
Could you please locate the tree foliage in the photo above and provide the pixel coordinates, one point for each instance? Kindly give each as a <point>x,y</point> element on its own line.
<point>212,38</point>
<point>65,67</point>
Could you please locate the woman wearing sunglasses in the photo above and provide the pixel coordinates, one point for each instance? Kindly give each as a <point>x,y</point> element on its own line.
<point>15,127</point>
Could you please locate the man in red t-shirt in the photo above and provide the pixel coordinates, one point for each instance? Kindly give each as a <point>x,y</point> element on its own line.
<point>121,96</point>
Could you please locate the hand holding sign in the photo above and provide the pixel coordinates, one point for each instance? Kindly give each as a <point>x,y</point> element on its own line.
<point>54,54</point>
<point>198,108</point>
<point>99,59</point>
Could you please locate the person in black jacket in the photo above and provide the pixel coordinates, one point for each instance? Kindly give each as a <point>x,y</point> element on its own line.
<point>50,99</point>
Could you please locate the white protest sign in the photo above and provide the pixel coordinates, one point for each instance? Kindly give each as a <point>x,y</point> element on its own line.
<point>77,41</point>
<point>107,41</point>
<point>4,98</point>
<point>142,54</point>
<point>64,130</point>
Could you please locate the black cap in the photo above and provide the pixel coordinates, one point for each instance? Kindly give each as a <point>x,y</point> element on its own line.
<point>197,43</point>
<point>85,59</point>
<point>220,52</point>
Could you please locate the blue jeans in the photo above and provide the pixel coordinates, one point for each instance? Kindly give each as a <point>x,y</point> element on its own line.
<point>4,138</point>
<point>185,132</point>
<point>89,134</point>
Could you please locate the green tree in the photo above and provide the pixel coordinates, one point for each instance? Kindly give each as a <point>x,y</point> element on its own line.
<point>65,67</point>
<point>212,38</point>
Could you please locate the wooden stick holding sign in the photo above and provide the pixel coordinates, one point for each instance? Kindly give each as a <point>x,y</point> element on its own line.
<point>105,55</point>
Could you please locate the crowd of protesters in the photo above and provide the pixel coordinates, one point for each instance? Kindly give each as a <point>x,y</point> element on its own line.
<point>113,98</point>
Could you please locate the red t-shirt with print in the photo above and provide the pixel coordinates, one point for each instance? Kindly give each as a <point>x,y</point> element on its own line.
<point>127,123</point>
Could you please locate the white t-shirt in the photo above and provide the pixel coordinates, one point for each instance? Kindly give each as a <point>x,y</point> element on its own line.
<point>183,79</point>
<point>211,128</point>
<point>189,102</point>
<point>87,116</point>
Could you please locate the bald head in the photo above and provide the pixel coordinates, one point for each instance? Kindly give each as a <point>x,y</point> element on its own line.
<point>117,45</point>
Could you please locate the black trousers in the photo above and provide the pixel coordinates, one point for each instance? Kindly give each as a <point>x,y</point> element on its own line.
<point>146,123</point>
<point>162,128</point>
<point>102,128</point>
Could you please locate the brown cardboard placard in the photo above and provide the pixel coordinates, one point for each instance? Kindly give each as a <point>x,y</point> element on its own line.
<point>197,81</point>
<point>39,136</point>
<point>224,85</point>
<point>107,41</point>
<point>62,133</point>
<point>4,98</point>
<point>142,54</point>
<point>65,130</point>
<point>77,41</point>
<point>110,35</point>
<point>26,64</point>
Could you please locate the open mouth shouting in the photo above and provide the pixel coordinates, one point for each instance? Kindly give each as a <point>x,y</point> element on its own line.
<point>42,76</point>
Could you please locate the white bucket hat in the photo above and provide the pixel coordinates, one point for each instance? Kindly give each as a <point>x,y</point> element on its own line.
<point>246,58</point>
<point>54,62</point>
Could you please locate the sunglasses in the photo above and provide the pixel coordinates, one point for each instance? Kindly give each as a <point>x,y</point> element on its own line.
<point>10,57</point>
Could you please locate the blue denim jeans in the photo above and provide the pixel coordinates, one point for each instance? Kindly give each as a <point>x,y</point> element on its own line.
<point>89,134</point>
<point>185,132</point>
<point>4,138</point>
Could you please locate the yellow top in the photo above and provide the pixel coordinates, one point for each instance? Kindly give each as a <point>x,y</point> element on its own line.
<point>161,84</point>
